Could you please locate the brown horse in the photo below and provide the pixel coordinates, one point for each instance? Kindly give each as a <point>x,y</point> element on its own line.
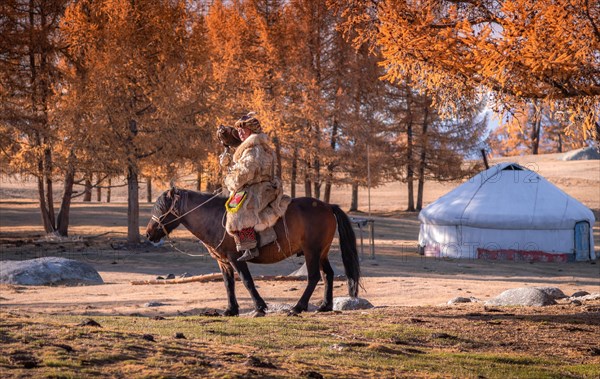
<point>307,228</point>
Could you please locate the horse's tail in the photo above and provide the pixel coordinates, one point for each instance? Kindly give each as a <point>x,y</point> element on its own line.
<point>349,252</point>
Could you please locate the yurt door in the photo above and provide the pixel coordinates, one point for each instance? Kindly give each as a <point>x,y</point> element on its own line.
<point>582,241</point>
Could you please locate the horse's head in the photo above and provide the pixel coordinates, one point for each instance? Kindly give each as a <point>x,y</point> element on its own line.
<point>165,216</point>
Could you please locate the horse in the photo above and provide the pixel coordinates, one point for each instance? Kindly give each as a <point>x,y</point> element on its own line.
<point>307,228</point>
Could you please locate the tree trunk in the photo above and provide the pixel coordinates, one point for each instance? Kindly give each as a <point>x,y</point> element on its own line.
<point>294,173</point>
<point>331,165</point>
<point>133,206</point>
<point>62,222</point>
<point>409,151</point>
<point>49,187</point>
<point>99,190</point>
<point>108,190</point>
<point>536,128</point>
<point>87,192</point>
<point>48,226</point>
<point>317,178</point>
<point>327,193</point>
<point>199,179</point>
<point>149,190</point>
<point>277,145</point>
<point>307,186</point>
<point>354,200</point>
<point>423,157</point>
<point>410,168</point>
<point>560,143</point>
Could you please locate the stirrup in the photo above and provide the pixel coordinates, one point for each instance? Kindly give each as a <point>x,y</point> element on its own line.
<point>248,254</point>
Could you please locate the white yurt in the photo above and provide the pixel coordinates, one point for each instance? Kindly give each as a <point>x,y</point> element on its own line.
<point>511,213</point>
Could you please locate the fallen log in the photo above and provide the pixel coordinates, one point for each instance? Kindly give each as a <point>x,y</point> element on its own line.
<point>218,277</point>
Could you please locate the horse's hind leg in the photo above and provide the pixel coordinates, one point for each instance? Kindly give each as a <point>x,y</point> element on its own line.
<point>314,274</point>
<point>327,304</point>
<point>242,269</point>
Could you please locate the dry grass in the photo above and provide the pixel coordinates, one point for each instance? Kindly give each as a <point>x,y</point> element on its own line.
<point>401,342</point>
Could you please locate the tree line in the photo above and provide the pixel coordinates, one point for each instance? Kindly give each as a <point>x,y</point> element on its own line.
<point>350,92</point>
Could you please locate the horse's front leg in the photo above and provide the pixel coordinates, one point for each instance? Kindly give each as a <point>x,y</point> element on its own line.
<point>260,306</point>
<point>229,279</point>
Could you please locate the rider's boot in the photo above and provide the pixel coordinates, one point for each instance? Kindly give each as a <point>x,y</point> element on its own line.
<point>249,254</point>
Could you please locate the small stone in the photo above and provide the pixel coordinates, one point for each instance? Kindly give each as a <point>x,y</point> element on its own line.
<point>171,276</point>
<point>350,303</point>
<point>148,337</point>
<point>443,336</point>
<point>256,362</point>
<point>311,375</point>
<point>154,304</point>
<point>458,300</point>
<point>179,335</point>
<point>580,294</point>
<point>89,322</point>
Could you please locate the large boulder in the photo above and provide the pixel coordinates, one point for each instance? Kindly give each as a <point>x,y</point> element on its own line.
<point>526,296</point>
<point>586,153</point>
<point>47,271</point>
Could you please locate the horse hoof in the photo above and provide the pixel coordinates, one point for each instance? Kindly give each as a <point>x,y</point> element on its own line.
<point>258,313</point>
<point>325,308</point>
<point>293,314</point>
<point>230,313</point>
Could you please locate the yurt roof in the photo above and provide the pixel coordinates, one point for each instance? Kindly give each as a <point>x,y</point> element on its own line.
<point>507,196</point>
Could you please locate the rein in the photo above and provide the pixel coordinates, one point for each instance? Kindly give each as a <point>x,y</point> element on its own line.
<point>172,210</point>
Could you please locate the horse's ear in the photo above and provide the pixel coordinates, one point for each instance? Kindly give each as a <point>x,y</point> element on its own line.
<point>172,191</point>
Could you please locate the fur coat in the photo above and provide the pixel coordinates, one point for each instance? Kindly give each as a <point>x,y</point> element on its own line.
<point>253,171</point>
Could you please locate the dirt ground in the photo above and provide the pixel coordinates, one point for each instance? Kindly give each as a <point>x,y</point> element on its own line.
<point>395,276</point>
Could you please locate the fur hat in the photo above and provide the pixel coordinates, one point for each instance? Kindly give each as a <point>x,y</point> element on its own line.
<point>249,122</point>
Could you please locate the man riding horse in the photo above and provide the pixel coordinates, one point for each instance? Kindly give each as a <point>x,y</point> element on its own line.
<point>256,199</point>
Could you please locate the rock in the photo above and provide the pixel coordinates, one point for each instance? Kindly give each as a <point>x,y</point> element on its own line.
<point>257,362</point>
<point>154,304</point>
<point>285,308</point>
<point>170,276</point>
<point>179,335</point>
<point>524,296</point>
<point>148,337</point>
<point>553,292</point>
<point>350,303</point>
<point>459,300</point>
<point>89,322</point>
<point>586,153</point>
<point>592,296</point>
<point>23,358</point>
<point>311,375</point>
<point>580,294</point>
<point>47,271</point>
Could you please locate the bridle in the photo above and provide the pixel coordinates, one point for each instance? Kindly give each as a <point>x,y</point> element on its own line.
<point>173,210</point>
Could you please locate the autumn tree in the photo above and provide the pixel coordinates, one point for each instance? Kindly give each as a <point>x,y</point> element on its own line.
<point>531,129</point>
<point>144,89</point>
<point>518,49</point>
<point>31,144</point>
